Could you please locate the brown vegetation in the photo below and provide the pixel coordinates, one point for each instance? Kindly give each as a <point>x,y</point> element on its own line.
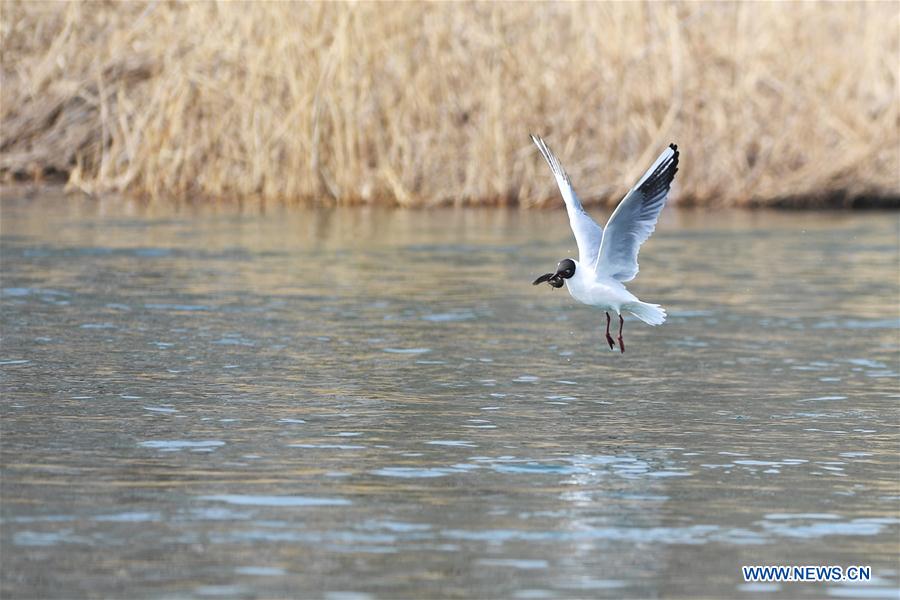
<point>425,103</point>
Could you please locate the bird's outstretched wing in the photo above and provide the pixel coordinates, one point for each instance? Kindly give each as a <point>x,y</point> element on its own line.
<point>635,218</point>
<point>587,233</point>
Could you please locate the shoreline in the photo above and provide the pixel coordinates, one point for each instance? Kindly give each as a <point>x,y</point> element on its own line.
<point>833,201</point>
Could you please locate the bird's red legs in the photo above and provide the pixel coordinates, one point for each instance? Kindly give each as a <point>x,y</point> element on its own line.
<point>621,341</point>
<point>609,338</point>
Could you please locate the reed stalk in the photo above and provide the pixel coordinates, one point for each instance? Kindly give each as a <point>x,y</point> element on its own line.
<point>418,104</point>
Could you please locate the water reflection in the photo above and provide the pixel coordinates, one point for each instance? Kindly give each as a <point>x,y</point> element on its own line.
<point>328,403</point>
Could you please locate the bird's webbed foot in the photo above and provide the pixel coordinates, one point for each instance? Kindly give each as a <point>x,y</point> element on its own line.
<point>609,340</point>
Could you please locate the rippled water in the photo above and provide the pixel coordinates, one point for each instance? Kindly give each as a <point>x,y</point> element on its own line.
<point>357,403</point>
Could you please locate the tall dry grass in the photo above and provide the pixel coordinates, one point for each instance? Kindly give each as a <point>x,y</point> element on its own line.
<point>424,103</point>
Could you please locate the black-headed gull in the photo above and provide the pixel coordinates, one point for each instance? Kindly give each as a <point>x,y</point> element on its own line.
<point>607,259</point>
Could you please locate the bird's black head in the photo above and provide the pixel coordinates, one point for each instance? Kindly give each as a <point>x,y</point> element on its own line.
<point>564,270</point>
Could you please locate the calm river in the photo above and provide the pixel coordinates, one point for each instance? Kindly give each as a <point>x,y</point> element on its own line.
<point>356,403</point>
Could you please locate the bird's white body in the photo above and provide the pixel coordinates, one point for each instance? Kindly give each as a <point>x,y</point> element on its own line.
<point>609,294</point>
<point>603,292</point>
<point>607,258</point>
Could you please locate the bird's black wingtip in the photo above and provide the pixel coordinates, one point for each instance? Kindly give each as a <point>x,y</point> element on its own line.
<point>674,146</point>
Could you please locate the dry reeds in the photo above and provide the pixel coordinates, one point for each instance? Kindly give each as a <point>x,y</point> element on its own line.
<point>425,103</point>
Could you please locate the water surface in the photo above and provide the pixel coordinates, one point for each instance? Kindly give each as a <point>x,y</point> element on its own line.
<point>234,402</point>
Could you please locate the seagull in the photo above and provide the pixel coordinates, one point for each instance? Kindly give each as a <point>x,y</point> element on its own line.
<point>608,258</point>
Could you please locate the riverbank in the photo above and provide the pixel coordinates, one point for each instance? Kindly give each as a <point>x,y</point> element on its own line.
<point>784,105</point>
<point>56,187</point>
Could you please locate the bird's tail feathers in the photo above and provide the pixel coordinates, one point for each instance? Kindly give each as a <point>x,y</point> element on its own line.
<point>651,314</point>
